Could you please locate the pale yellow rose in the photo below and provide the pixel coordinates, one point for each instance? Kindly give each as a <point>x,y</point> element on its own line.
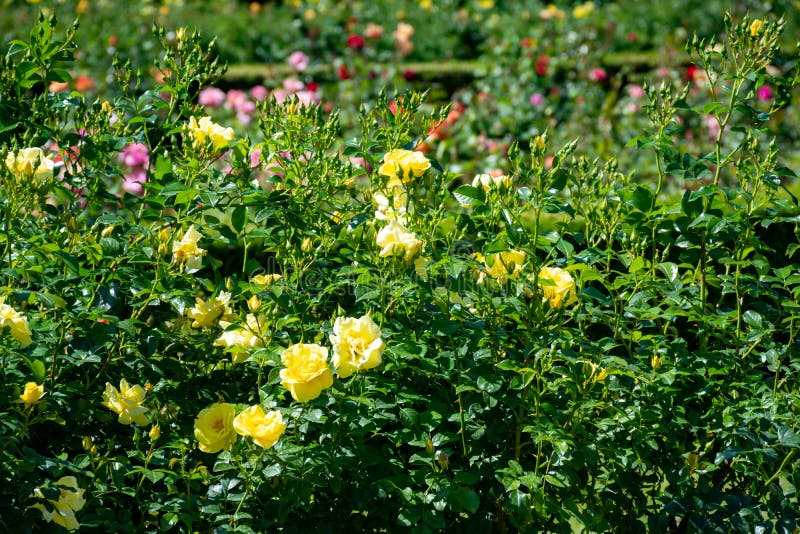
<point>70,500</point>
<point>30,164</point>
<point>187,252</point>
<point>395,239</point>
<point>126,402</point>
<point>551,12</point>
<point>401,166</point>
<point>240,341</point>
<point>504,265</point>
<point>265,279</point>
<point>16,323</point>
<point>205,132</point>
<point>208,313</point>
<point>559,287</point>
<point>392,205</point>
<point>357,345</point>
<point>33,392</point>
<point>489,181</point>
<point>213,427</point>
<point>583,10</point>
<point>264,428</point>
<point>306,372</point>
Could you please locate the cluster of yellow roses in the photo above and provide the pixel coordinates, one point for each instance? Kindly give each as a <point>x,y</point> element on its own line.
<point>205,133</point>
<point>30,164</point>
<point>357,346</point>
<point>393,205</point>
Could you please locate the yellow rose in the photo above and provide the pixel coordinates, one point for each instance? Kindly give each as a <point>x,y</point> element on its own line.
<point>33,392</point>
<point>127,402</point>
<point>488,181</point>
<point>755,27</point>
<point>392,205</point>
<point>187,252</point>
<point>241,340</point>
<point>559,287</point>
<point>504,265</point>
<point>30,164</point>
<point>264,428</point>
<point>583,10</point>
<point>16,323</point>
<point>402,165</point>
<point>357,345</point>
<point>205,131</point>
<point>306,372</point>
<point>395,239</point>
<point>265,279</point>
<point>213,427</point>
<point>551,12</point>
<point>207,313</point>
<point>62,511</point>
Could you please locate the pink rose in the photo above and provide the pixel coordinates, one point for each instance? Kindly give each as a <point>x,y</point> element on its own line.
<point>298,61</point>
<point>211,97</point>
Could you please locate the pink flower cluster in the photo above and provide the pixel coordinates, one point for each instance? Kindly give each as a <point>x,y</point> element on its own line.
<point>136,158</point>
<point>244,103</point>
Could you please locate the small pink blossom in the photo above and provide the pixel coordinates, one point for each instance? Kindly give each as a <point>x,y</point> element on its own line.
<point>598,75</point>
<point>135,155</point>
<point>259,93</point>
<point>636,91</point>
<point>765,93</point>
<point>211,97</point>
<point>298,61</point>
<point>537,99</point>
<point>293,85</point>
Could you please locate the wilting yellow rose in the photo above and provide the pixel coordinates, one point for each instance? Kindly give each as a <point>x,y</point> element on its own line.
<point>392,205</point>
<point>205,131</point>
<point>401,166</point>
<point>187,252</point>
<point>213,427</point>
<point>306,372</point>
<point>16,323</point>
<point>33,392</point>
<point>488,181</point>
<point>264,428</point>
<point>241,340</point>
<point>504,265</point>
<point>30,164</point>
<point>127,402</point>
<point>560,289</point>
<point>395,239</point>
<point>70,500</point>
<point>207,313</point>
<point>755,27</point>
<point>357,345</point>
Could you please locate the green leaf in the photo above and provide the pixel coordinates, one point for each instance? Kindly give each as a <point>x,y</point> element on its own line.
<point>466,195</point>
<point>239,218</point>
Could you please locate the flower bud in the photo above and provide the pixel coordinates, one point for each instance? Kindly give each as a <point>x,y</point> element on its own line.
<point>254,303</point>
<point>306,245</point>
<point>655,362</point>
<point>154,433</point>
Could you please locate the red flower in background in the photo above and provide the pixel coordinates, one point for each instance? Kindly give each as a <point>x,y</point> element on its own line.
<point>541,65</point>
<point>356,42</point>
<point>342,72</point>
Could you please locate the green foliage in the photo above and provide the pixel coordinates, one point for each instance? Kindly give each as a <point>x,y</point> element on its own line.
<point>567,347</point>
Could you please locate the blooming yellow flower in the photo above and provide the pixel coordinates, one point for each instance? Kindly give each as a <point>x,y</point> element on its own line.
<point>755,27</point>
<point>187,252</point>
<point>357,345</point>
<point>559,287</point>
<point>207,313</point>
<point>205,131</point>
<point>395,239</point>
<point>264,428</point>
<point>30,164</point>
<point>401,166</point>
<point>127,402</point>
<point>504,265</point>
<point>241,340</point>
<point>551,12</point>
<point>392,205</point>
<point>583,10</point>
<point>16,323</point>
<point>488,181</point>
<point>306,372</point>
<point>33,392</point>
<point>70,500</point>
<point>265,279</point>
<point>213,427</point>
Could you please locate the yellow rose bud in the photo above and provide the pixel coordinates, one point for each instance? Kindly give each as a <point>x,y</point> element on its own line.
<point>213,428</point>
<point>307,245</point>
<point>755,27</point>
<point>87,443</point>
<point>655,362</point>
<point>254,303</point>
<point>107,231</point>
<point>306,372</point>
<point>155,433</point>
<point>32,394</point>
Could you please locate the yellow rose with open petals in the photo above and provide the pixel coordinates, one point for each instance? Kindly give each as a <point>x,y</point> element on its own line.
<point>16,323</point>
<point>30,164</point>
<point>205,132</point>
<point>357,345</point>
<point>213,427</point>
<point>395,239</point>
<point>265,428</point>
<point>504,265</point>
<point>401,166</point>
<point>558,287</point>
<point>207,313</point>
<point>127,402</point>
<point>306,372</point>
<point>186,251</point>
<point>70,500</point>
